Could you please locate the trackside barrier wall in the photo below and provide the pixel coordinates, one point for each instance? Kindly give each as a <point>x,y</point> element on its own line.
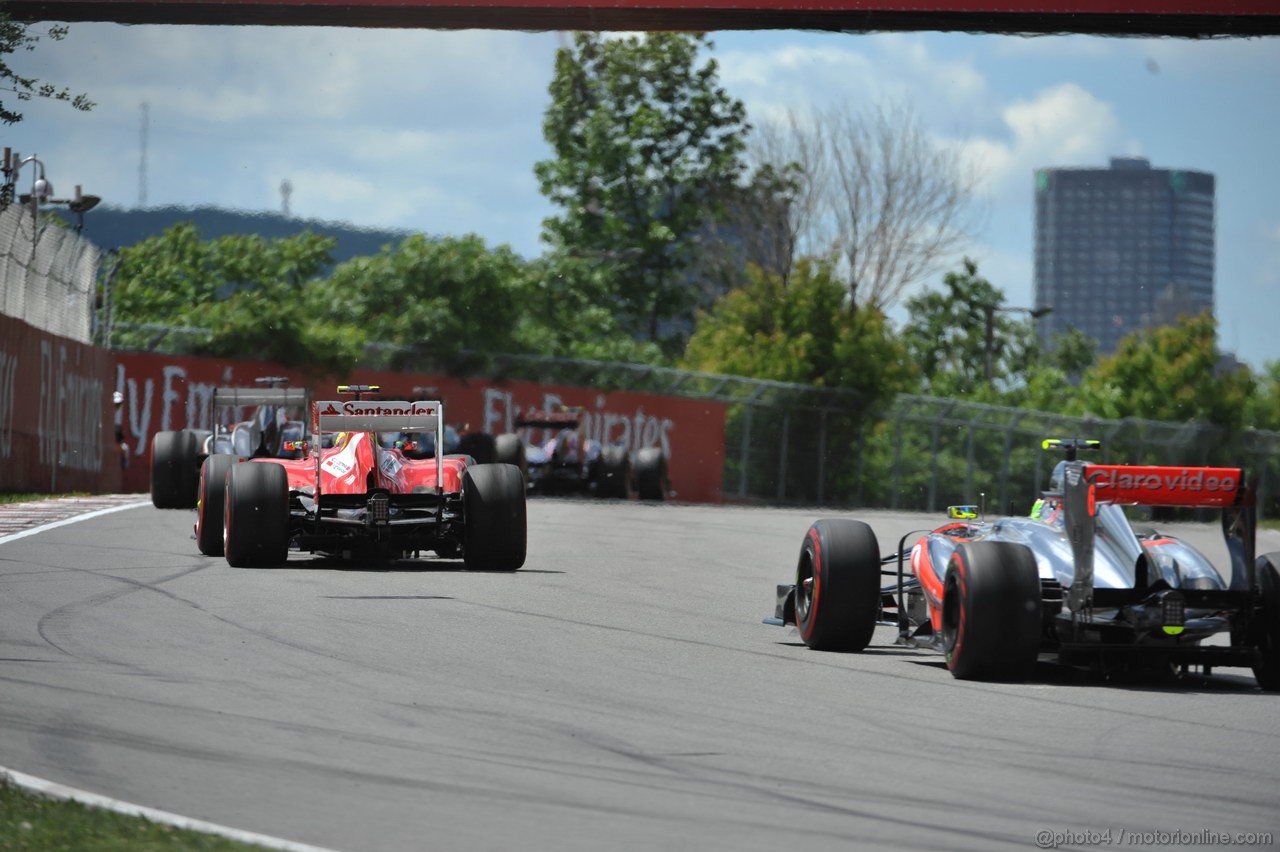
<point>165,392</point>
<point>56,426</point>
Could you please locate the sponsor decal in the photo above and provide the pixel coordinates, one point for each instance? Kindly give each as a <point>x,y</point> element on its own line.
<point>1165,486</point>
<point>362,408</point>
<point>1168,479</point>
<point>390,465</point>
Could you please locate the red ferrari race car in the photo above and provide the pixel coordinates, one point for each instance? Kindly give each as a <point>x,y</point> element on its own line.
<point>1075,584</point>
<point>359,499</point>
<point>568,462</point>
<point>276,429</point>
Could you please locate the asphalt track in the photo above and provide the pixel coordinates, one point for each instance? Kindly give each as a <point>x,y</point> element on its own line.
<point>617,693</point>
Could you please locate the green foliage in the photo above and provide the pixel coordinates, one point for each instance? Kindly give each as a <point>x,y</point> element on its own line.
<point>802,331</point>
<point>436,296</point>
<point>17,36</point>
<point>254,295</point>
<point>1173,373</point>
<point>1262,411</point>
<point>947,338</point>
<point>645,141</point>
<point>567,313</point>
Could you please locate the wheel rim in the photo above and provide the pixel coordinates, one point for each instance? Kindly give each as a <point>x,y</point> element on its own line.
<point>804,587</point>
<point>950,614</point>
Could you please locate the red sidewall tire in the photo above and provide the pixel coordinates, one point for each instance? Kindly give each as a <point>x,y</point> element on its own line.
<point>991,611</point>
<point>838,585</point>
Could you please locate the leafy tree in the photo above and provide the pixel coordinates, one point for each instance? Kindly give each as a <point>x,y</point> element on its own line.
<point>250,293</point>
<point>803,331</point>
<point>567,313</point>
<point>947,338</point>
<point>1263,408</point>
<point>1173,373</point>
<point>1073,352</point>
<point>800,330</point>
<point>18,36</point>
<point>644,141</point>
<point>439,298</point>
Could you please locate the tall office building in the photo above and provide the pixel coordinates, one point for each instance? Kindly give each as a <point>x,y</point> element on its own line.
<point>1124,248</point>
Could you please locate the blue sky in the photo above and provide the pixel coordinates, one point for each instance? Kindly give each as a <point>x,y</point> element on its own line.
<point>438,131</point>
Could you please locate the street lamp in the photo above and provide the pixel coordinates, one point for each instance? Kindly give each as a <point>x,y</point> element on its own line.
<point>989,310</point>
<point>41,189</point>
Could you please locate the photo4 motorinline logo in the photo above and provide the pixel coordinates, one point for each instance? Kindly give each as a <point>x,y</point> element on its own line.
<point>1049,839</point>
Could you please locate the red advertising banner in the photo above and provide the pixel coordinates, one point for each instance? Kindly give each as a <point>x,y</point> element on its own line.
<point>165,392</point>
<point>55,413</point>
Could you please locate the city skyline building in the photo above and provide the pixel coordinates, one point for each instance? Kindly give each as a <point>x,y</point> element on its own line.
<point>1122,248</point>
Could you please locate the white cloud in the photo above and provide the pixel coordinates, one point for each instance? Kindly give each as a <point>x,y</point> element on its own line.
<point>1061,126</point>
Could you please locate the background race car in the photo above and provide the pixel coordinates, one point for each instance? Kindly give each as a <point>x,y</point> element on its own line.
<point>565,461</point>
<point>277,428</point>
<point>358,499</point>
<point>1075,584</point>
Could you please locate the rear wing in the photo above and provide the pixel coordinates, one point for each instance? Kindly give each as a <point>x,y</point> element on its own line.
<point>357,415</point>
<point>238,397</point>
<point>1086,485</point>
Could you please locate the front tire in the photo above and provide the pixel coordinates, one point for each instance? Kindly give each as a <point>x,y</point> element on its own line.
<point>495,532</point>
<point>174,469</point>
<point>1266,630</point>
<point>991,623</point>
<point>838,585</point>
<point>209,509</point>
<point>256,515</point>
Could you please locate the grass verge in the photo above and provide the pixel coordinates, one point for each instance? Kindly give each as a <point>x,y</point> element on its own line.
<point>33,823</point>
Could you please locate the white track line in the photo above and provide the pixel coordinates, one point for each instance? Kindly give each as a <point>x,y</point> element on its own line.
<point>60,791</point>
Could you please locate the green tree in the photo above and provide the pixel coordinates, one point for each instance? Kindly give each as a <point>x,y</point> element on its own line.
<point>802,331</point>
<point>567,313</point>
<point>645,141</point>
<point>947,338</point>
<point>251,293</point>
<point>1263,409</point>
<point>18,36</point>
<point>1173,373</point>
<point>434,301</point>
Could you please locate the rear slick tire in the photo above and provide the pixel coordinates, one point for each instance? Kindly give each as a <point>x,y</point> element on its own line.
<point>256,515</point>
<point>653,481</point>
<point>174,470</point>
<point>613,474</point>
<point>509,449</point>
<point>495,517</point>
<point>838,585</point>
<point>1266,630</point>
<point>209,508</point>
<point>991,602</point>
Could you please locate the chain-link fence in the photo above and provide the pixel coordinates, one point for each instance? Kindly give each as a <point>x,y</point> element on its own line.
<point>789,443</point>
<point>49,274</point>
